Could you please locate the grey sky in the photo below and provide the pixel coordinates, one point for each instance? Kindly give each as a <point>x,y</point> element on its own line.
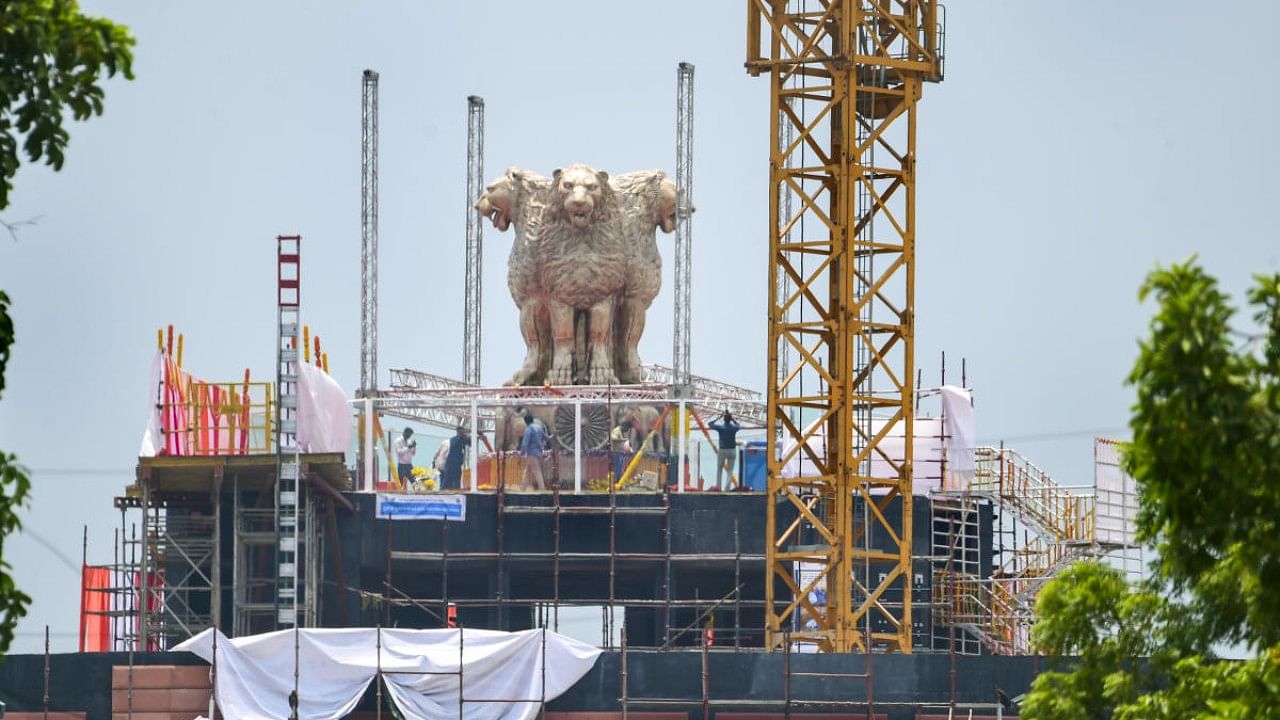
<point>1072,147</point>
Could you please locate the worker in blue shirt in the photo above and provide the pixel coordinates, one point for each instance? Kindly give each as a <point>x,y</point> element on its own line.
<point>532,443</point>
<point>727,453</point>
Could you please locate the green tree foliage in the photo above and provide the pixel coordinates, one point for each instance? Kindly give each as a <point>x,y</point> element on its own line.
<point>1206,457</point>
<point>15,486</point>
<point>52,59</point>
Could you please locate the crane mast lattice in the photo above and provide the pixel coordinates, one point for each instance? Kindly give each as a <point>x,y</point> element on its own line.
<point>846,76</point>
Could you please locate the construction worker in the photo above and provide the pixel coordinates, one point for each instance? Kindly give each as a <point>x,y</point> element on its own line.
<point>727,453</point>
<point>620,447</point>
<point>451,479</point>
<point>532,445</point>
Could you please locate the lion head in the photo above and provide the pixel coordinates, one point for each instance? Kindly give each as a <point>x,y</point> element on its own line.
<point>664,203</point>
<point>650,195</point>
<point>502,199</point>
<point>580,194</point>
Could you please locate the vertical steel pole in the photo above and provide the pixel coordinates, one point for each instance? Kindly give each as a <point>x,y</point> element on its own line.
<point>577,447</point>
<point>475,449</point>
<point>682,444</point>
<point>366,447</point>
<point>46,672</point>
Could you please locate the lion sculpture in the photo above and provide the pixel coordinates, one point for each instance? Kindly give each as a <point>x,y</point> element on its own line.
<point>584,267</point>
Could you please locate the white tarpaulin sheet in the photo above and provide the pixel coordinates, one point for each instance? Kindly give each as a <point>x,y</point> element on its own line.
<point>962,435</point>
<point>255,673</point>
<point>152,438</point>
<point>926,453</point>
<point>324,418</point>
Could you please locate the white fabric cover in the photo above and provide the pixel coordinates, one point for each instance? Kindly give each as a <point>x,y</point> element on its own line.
<point>324,418</point>
<point>152,438</point>
<point>255,673</point>
<point>962,435</point>
<point>926,453</point>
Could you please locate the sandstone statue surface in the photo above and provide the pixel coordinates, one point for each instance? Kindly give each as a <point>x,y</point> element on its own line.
<point>584,267</point>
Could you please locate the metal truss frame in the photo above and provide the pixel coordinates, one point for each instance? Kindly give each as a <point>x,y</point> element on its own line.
<point>846,75</point>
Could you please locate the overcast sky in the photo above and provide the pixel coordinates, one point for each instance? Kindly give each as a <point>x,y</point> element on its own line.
<point>1072,147</point>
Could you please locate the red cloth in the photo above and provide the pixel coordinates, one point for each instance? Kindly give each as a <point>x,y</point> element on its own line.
<point>95,601</point>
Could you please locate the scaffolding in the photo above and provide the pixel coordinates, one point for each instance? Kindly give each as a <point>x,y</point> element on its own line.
<point>955,533</point>
<point>198,521</point>
<point>833,692</point>
<point>1041,527</point>
<point>610,561</point>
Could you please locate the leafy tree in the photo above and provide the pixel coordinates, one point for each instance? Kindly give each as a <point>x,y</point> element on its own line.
<point>1206,457</point>
<point>15,486</point>
<point>52,58</point>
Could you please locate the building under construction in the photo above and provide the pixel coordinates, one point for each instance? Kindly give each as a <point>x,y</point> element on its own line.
<point>865,558</point>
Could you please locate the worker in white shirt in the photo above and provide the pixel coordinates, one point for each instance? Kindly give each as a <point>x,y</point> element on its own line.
<point>405,447</point>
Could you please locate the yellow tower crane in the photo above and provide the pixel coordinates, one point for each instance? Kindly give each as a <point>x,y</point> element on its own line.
<point>845,79</point>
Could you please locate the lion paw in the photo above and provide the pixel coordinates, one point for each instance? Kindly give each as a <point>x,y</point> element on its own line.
<point>603,376</point>
<point>629,369</point>
<point>630,375</point>
<point>560,376</point>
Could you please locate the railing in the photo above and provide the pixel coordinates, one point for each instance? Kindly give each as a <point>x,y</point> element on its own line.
<point>1046,507</point>
<point>1029,567</point>
<point>654,447</point>
<point>216,418</point>
<point>1067,526</point>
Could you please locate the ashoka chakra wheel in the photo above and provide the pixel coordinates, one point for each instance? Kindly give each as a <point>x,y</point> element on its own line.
<point>595,426</point>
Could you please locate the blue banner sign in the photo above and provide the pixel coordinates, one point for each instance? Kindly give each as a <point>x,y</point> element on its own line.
<point>422,507</point>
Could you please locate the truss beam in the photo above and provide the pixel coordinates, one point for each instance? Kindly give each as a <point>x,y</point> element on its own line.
<point>684,231</point>
<point>369,233</point>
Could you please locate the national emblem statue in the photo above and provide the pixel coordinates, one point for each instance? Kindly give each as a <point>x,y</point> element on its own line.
<point>584,267</point>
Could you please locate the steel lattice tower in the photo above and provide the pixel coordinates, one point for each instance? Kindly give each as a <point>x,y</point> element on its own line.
<point>846,75</point>
<point>475,236</point>
<point>684,222</point>
<point>369,234</point>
